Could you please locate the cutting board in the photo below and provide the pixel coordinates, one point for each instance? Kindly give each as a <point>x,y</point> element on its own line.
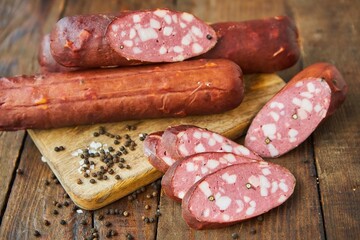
<point>90,196</point>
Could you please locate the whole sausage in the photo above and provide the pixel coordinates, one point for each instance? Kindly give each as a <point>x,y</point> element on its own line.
<point>257,46</point>
<point>160,35</point>
<point>296,110</point>
<point>131,38</point>
<point>46,61</point>
<point>85,97</point>
<point>157,155</point>
<point>185,140</point>
<point>236,193</point>
<point>184,173</point>
<point>79,41</point>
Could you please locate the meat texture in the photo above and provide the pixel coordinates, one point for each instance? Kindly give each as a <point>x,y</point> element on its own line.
<point>85,97</point>
<point>296,110</point>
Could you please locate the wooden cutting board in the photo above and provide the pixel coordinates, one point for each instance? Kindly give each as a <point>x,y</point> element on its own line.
<point>259,89</point>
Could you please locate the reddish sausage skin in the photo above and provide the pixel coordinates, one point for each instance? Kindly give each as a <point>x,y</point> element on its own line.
<point>184,173</point>
<point>185,140</point>
<point>257,46</point>
<point>79,41</point>
<point>236,193</point>
<point>46,61</point>
<point>295,112</point>
<point>85,97</point>
<point>160,35</point>
<point>156,153</point>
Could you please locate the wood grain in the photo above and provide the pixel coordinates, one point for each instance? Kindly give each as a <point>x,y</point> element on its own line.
<point>133,223</point>
<point>10,146</point>
<point>31,204</point>
<point>303,204</point>
<point>329,32</point>
<point>333,36</point>
<point>259,88</point>
<point>16,31</point>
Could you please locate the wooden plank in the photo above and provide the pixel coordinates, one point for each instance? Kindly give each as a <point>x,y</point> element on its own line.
<point>90,196</point>
<point>10,146</point>
<point>302,211</point>
<point>31,203</point>
<point>16,32</point>
<point>132,224</point>
<point>333,36</point>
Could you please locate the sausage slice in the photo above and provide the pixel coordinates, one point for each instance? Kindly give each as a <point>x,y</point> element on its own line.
<point>236,193</point>
<point>296,111</point>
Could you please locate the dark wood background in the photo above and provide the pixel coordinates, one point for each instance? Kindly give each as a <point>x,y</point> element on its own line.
<point>326,201</point>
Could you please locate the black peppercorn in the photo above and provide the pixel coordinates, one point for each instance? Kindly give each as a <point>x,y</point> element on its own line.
<point>102,130</point>
<point>37,233</point>
<point>235,236</point>
<point>62,222</point>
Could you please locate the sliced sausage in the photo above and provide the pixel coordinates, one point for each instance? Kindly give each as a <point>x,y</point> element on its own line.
<point>185,140</point>
<point>258,46</point>
<point>85,97</point>
<point>46,61</point>
<point>160,35</point>
<point>295,111</point>
<point>79,41</point>
<point>236,193</point>
<point>184,173</point>
<point>156,153</point>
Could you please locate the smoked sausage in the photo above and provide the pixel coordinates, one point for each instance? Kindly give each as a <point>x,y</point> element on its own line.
<point>85,97</point>
<point>296,110</point>
<point>79,41</point>
<point>257,46</point>
<point>160,35</point>
<point>46,61</point>
<point>236,193</point>
<point>180,177</point>
<point>157,155</point>
<point>185,140</point>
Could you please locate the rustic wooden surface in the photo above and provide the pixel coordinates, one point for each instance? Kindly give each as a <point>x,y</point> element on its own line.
<point>326,201</point>
<point>259,89</point>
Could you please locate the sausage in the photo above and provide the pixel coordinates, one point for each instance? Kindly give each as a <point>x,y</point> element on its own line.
<point>85,97</point>
<point>263,45</point>
<point>236,193</point>
<point>131,38</point>
<point>46,61</point>
<point>160,35</point>
<point>296,110</point>
<point>185,140</point>
<point>79,41</point>
<point>258,46</point>
<point>157,155</point>
<point>184,173</point>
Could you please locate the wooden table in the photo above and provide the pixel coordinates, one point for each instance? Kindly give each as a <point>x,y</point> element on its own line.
<point>326,201</point>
